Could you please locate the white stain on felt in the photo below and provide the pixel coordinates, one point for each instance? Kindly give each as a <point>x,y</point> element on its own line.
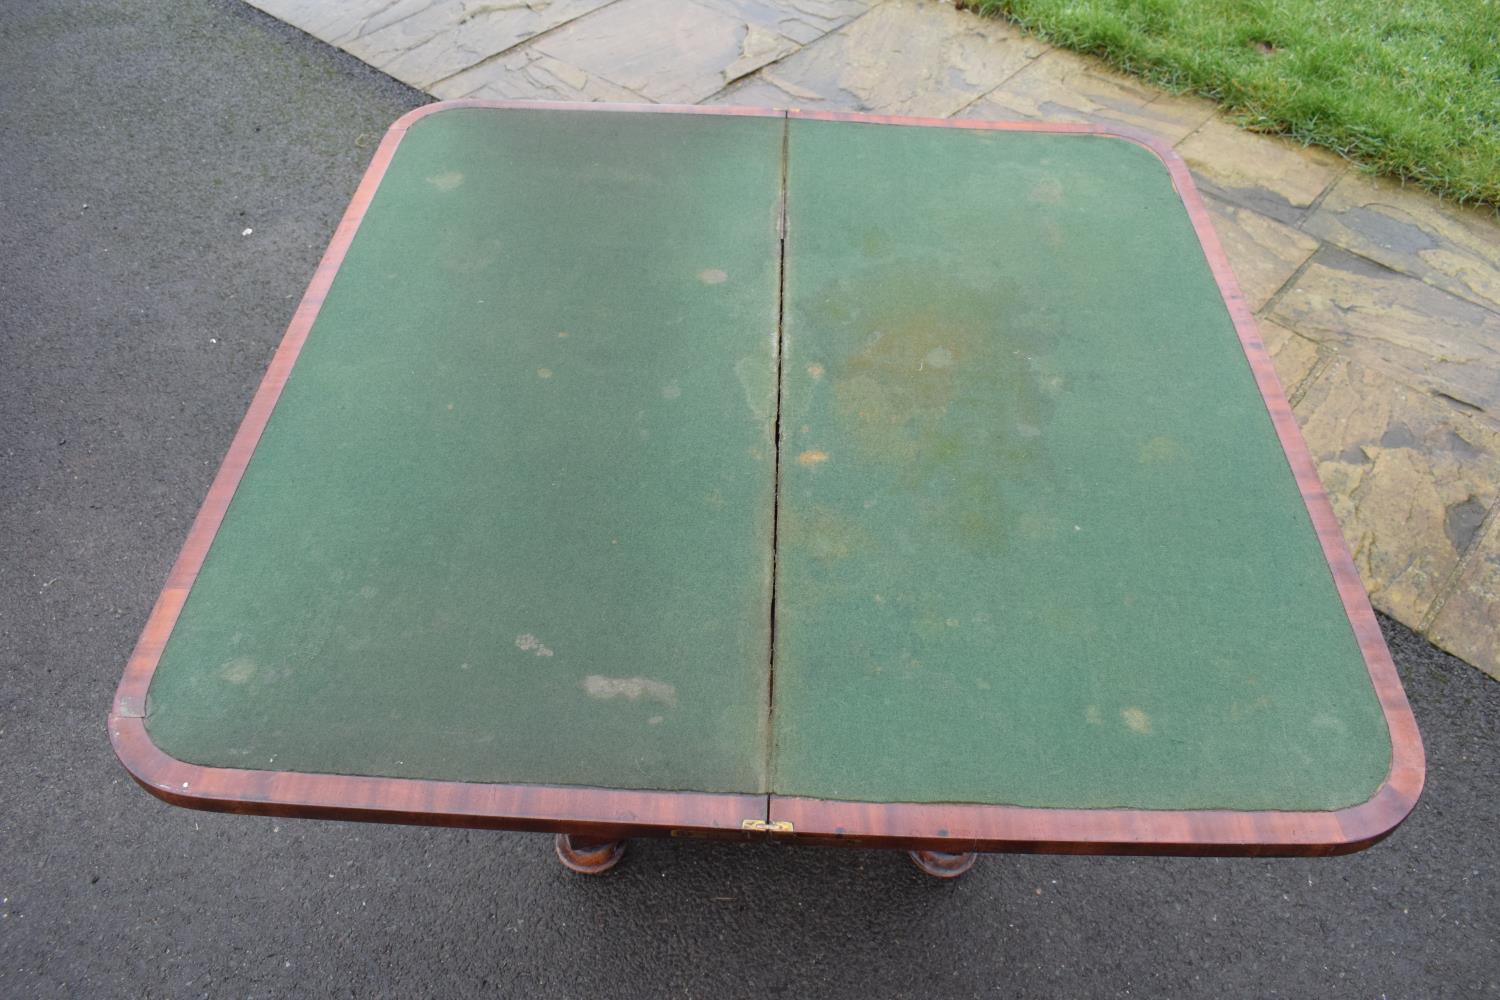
<point>447,181</point>
<point>758,380</point>
<point>938,357</point>
<point>529,643</point>
<point>630,689</point>
<point>713,276</point>
<point>671,391</point>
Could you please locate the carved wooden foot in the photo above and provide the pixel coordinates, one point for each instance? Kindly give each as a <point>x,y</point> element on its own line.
<point>940,864</point>
<point>589,857</point>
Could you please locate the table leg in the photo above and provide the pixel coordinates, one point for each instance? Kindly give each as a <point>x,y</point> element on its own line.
<point>587,855</point>
<point>941,864</point>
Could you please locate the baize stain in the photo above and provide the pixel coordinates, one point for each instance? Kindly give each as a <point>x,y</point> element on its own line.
<point>529,643</point>
<point>812,457</point>
<point>713,276</point>
<point>1136,720</point>
<point>1160,450</point>
<point>238,670</point>
<point>938,357</point>
<point>1047,191</point>
<point>757,377</point>
<point>449,180</point>
<point>947,401</point>
<point>629,689</point>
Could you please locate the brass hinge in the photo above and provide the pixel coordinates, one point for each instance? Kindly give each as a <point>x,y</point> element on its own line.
<point>762,826</point>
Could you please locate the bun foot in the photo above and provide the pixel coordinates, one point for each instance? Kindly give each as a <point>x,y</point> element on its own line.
<point>588,857</point>
<point>940,864</point>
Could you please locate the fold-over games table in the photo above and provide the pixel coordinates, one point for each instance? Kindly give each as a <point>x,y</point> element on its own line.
<point>635,471</point>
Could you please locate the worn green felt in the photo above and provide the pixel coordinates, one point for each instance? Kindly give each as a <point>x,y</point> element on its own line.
<point>1038,542</point>
<point>511,519</point>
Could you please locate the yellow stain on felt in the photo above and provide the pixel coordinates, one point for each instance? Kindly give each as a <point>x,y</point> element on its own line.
<point>829,535</point>
<point>815,370</point>
<point>1048,191</point>
<point>447,181</point>
<point>1136,720</point>
<point>758,381</point>
<point>1159,450</point>
<point>713,276</point>
<point>629,689</point>
<point>544,373</point>
<point>238,670</point>
<point>812,457</point>
<point>1093,715</point>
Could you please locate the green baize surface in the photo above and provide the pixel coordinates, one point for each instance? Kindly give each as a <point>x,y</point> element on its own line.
<point>1035,544</point>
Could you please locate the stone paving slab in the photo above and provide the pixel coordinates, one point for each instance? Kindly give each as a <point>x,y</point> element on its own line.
<point>530,74</point>
<point>1295,357</point>
<point>1380,304</point>
<point>802,21</point>
<point>913,58</point>
<point>444,39</point>
<point>340,23</point>
<point>1411,480</point>
<point>1474,598</point>
<point>667,50</point>
<point>1410,231</point>
<point>1062,87</point>
<point>1429,338</point>
<point>1266,253</point>
<point>1272,176</point>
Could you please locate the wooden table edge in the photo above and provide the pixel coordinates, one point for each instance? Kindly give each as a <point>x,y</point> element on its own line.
<point>606,813</point>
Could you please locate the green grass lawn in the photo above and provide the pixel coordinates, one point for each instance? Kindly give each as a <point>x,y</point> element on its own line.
<point>1411,87</point>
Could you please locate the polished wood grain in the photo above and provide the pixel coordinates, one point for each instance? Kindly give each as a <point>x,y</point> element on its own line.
<point>607,814</point>
<point>598,813</point>
<point>957,828</point>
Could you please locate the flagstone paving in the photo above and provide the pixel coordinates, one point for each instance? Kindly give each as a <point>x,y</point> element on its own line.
<point>1379,303</point>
